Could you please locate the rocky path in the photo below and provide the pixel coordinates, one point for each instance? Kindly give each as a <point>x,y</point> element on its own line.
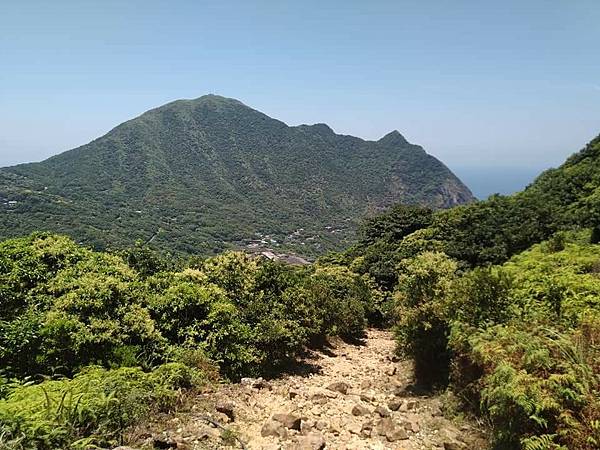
<point>359,397</point>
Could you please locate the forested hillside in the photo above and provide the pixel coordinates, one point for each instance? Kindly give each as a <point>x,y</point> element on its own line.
<point>500,301</point>
<point>199,176</point>
<point>485,232</point>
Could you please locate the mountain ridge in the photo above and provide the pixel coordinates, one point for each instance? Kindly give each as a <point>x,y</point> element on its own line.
<point>228,172</point>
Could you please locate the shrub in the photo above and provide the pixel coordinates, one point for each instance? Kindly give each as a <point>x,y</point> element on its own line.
<point>595,237</point>
<point>483,297</point>
<point>71,307</point>
<point>93,408</point>
<point>28,262</point>
<point>534,370</point>
<point>556,243</point>
<point>536,384</point>
<point>423,325</point>
<point>344,299</point>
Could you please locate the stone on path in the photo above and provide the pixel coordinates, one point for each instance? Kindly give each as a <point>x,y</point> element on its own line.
<point>368,396</point>
<point>306,426</point>
<point>412,404</point>
<point>394,404</point>
<point>256,383</point>
<point>164,443</point>
<point>384,426</point>
<point>397,434</point>
<point>344,404</point>
<point>226,408</point>
<point>312,441</point>
<point>273,428</point>
<point>360,410</point>
<point>321,425</point>
<point>339,386</point>
<point>366,429</point>
<point>382,411</point>
<point>319,398</point>
<point>412,424</point>
<point>288,420</point>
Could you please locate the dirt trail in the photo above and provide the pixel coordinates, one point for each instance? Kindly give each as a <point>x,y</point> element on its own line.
<point>358,397</point>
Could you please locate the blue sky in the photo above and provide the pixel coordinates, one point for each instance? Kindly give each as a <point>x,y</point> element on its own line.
<point>486,86</point>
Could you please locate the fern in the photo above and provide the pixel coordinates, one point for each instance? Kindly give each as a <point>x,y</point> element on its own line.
<point>541,442</point>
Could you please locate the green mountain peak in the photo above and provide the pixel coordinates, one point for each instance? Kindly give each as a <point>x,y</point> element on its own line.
<point>203,174</point>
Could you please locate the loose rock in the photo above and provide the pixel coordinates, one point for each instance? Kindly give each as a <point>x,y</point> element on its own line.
<point>382,411</point>
<point>360,410</point>
<point>453,445</point>
<point>163,443</point>
<point>312,441</point>
<point>366,429</point>
<point>226,408</point>
<point>384,426</point>
<point>339,386</point>
<point>412,425</point>
<point>320,415</point>
<point>397,434</point>
<point>260,383</point>
<point>321,425</point>
<point>394,404</point>
<point>367,396</point>
<point>288,420</point>
<point>319,398</point>
<point>273,428</point>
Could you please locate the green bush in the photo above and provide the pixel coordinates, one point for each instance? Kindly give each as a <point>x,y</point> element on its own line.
<point>483,297</point>
<point>532,361</point>
<point>78,308</point>
<point>253,317</point>
<point>92,409</point>
<point>536,383</point>
<point>423,314</point>
<point>344,300</point>
<point>521,340</point>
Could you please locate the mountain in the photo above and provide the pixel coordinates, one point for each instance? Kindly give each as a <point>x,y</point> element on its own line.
<point>491,231</point>
<point>196,176</point>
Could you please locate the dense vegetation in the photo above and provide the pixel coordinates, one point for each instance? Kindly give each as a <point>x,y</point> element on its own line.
<point>485,232</point>
<point>500,300</point>
<point>518,340</point>
<point>497,300</point>
<point>130,330</point>
<point>196,176</point>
